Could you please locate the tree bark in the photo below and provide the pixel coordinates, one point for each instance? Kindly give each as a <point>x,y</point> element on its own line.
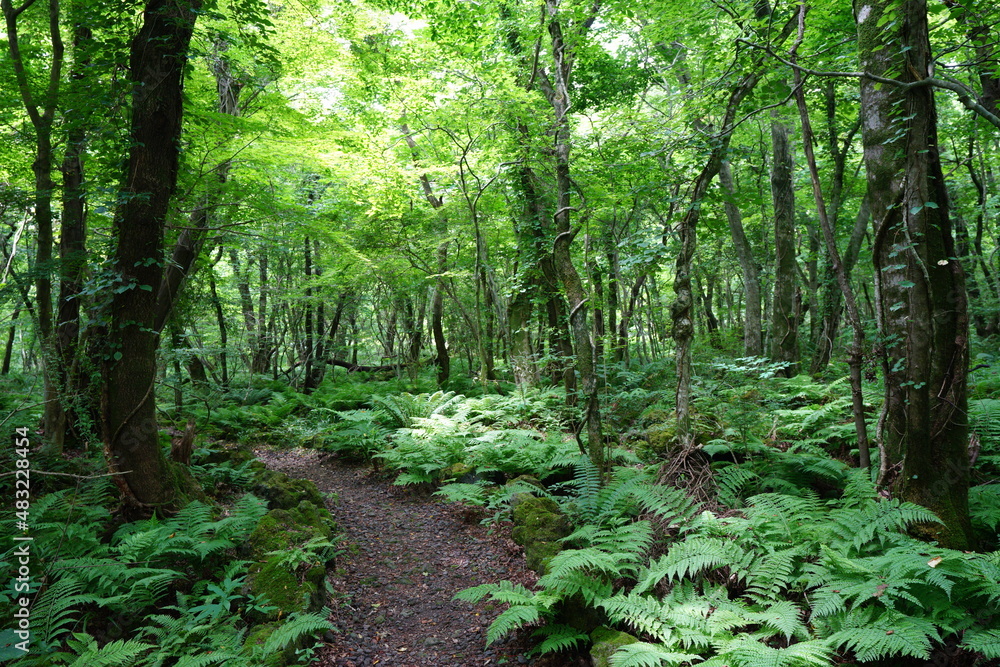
<point>158,54</point>
<point>920,287</point>
<point>753,338</point>
<point>784,323</point>
<point>842,273</point>
<point>41,111</point>
<point>557,90</point>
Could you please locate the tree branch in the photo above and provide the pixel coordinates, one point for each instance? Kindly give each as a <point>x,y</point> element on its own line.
<point>965,94</point>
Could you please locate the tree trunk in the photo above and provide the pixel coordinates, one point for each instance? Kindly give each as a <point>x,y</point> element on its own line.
<point>158,54</point>
<point>753,324</point>
<point>784,323</point>
<point>681,310</point>
<point>41,113</point>
<point>557,90</point>
<point>220,318</point>
<point>437,320</point>
<point>920,287</point>
<point>9,348</point>
<point>841,272</point>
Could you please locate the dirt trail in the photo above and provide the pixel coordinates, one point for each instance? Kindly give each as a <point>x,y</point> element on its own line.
<point>406,558</point>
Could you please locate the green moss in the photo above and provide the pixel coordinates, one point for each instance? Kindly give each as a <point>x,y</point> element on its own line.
<point>259,636</point>
<point>284,492</point>
<point>282,529</point>
<point>538,526</point>
<point>605,643</point>
<point>272,577</point>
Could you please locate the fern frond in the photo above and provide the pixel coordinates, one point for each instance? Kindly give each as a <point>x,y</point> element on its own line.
<point>503,591</point>
<point>689,558</point>
<point>984,641</point>
<point>113,654</point>
<point>645,614</point>
<point>747,651</point>
<point>642,654</point>
<point>558,638</point>
<point>513,618</point>
<point>874,634</point>
<point>295,627</point>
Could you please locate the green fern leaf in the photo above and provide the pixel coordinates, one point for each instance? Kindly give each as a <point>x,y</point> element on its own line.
<point>295,627</point>
<point>874,634</point>
<point>513,618</point>
<point>984,641</point>
<point>642,654</point>
<point>559,637</point>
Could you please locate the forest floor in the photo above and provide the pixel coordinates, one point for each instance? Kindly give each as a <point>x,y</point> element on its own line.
<point>405,556</point>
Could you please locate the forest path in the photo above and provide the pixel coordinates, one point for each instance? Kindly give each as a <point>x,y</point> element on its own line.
<point>406,556</point>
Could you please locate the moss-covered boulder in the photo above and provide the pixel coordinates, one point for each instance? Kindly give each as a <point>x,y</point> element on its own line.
<point>291,578</point>
<point>605,643</point>
<point>258,637</point>
<point>284,492</point>
<point>539,524</point>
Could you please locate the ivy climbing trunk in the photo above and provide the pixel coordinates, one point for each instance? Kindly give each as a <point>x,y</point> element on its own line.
<point>920,287</point>
<point>158,55</point>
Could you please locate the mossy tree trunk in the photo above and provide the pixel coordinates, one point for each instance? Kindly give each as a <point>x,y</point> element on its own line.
<point>921,299</point>
<point>158,55</point>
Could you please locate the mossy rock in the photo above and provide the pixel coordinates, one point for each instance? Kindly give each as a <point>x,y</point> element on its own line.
<point>279,532</point>
<point>605,643</point>
<point>284,589</point>
<point>539,524</point>
<point>258,637</point>
<point>284,492</point>
<point>280,529</point>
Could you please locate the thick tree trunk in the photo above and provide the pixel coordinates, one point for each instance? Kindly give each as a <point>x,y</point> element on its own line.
<point>920,286</point>
<point>158,54</point>
<point>784,323</point>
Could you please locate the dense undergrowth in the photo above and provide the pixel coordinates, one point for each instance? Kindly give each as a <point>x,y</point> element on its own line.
<point>769,548</point>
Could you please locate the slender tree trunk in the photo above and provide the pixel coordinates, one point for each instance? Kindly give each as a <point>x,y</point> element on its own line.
<point>557,90</point>
<point>842,273</point>
<point>41,112</point>
<point>437,320</point>
<point>752,327</point>
<point>920,286</point>
<point>681,310</point>
<point>784,324</point>
<point>9,348</point>
<point>220,318</point>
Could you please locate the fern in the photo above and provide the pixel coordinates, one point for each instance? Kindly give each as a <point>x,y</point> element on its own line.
<point>559,638</point>
<point>985,641</point>
<point>297,626</point>
<point>873,634</point>
<point>113,654</point>
<point>641,654</point>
